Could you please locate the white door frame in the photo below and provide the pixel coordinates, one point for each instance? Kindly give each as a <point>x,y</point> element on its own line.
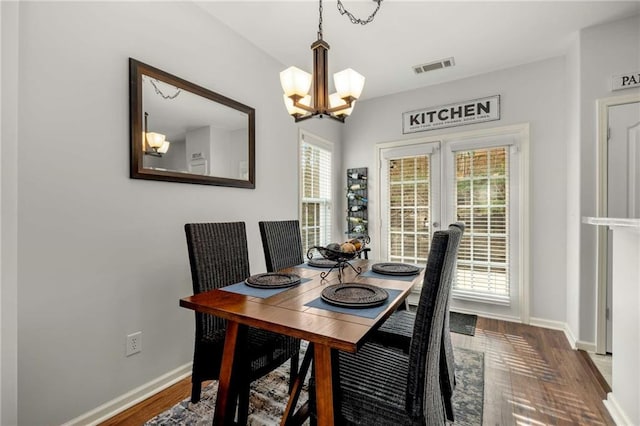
<point>602,106</point>
<point>522,133</point>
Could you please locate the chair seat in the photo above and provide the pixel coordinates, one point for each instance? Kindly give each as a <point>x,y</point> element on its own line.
<point>397,330</point>
<point>378,398</point>
<point>279,348</point>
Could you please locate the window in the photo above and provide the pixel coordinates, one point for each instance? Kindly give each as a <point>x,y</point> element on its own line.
<point>482,203</point>
<point>315,191</point>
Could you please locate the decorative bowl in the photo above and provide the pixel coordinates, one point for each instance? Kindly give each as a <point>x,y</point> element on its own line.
<point>336,255</point>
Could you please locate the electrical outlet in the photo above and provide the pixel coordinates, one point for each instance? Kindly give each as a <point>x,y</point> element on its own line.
<point>134,343</point>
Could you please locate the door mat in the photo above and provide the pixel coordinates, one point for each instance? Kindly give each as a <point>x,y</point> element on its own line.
<point>463,323</point>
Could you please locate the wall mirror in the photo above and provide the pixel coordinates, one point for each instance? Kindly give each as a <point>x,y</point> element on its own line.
<point>181,132</point>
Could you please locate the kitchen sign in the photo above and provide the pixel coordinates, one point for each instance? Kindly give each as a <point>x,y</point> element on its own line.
<point>625,81</point>
<point>458,114</point>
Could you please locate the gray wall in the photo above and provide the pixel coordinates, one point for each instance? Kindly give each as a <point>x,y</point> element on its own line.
<point>89,255</point>
<point>100,255</point>
<point>604,51</point>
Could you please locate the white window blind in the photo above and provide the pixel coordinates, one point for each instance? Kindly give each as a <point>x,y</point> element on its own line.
<point>481,195</point>
<point>409,209</point>
<point>315,194</point>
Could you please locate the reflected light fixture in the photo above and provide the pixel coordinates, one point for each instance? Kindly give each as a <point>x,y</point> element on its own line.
<point>296,83</point>
<point>156,144</point>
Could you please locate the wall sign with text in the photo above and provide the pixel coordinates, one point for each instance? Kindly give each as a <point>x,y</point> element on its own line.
<point>625,81</point>
<point>458,114</point>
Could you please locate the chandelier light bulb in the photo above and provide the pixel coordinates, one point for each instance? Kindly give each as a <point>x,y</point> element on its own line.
<point>336,101</point>
<point>164,147</point>
<point>349,83</point>
<point>294,81</point>
<point>155,140</point>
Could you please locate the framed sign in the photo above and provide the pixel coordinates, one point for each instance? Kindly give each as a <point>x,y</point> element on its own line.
<point>451,115</point>
<point>625,81</point>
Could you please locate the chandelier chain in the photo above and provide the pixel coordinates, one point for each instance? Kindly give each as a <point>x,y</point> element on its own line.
<point>353,19</point>
<point>159,92</point>
<point>320,21</point>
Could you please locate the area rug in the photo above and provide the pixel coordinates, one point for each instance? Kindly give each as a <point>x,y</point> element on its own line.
<point>462,323</point>
<point>268,397</point>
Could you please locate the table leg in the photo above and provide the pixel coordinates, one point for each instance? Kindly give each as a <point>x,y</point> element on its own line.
<point>324,384</point>
<point>227,389</point>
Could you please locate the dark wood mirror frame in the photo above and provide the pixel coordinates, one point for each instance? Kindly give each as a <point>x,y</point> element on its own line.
<point>138,171</point>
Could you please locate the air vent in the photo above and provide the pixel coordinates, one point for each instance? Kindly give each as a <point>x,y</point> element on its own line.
<point>443,63</point>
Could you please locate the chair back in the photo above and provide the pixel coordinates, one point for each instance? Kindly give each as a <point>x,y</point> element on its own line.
<point>424,398</point>
<point>218,254</point>
<point>281,243</point>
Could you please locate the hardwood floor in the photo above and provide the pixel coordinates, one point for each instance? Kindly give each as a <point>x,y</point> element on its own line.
<point>532,377</point>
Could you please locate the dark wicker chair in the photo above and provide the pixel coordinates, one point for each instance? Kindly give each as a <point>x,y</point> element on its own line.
<point>398,330</point>
<point>281,243</point>
<point>380,385</point>
<point>282,247</point>
<point>219,257</point>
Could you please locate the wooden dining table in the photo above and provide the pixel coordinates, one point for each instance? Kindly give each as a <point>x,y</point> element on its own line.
<point>288,313</point>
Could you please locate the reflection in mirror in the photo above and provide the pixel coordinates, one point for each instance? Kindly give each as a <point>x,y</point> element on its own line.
<point>185,133</point>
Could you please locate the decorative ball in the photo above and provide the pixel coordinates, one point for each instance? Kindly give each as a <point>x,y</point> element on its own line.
<point>334,246</point>
<point>357,243</point>
<point>348,248</point>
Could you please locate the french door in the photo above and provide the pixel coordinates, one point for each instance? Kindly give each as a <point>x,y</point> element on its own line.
<point>476,180</point>
<point>410,183</point>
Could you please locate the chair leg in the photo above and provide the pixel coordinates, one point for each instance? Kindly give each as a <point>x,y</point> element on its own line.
<point>243,401</point>
<point>448,408</point>
<point>196,389</point>
<point>293,370</point>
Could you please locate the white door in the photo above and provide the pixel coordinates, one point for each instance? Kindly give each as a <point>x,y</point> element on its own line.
<point>623,179</point>
<point>410,200</point>
<point>483,190</point>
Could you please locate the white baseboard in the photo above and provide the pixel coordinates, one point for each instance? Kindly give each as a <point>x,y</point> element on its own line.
<point>586,346</point>
<point>564,327</point>
<point>486,315</point>
<point>620,418</point>
<point>545,323</point>
<point>131,398</point>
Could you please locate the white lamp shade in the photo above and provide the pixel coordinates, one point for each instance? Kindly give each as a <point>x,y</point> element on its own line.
<point>164,147</point>
<point>294,81</point>
<point>348,83</point>
<point>155,140</point>
<point>335,101</point>
<point>292,109</point>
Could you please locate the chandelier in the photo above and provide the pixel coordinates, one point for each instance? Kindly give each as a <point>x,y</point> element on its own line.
<point>348,83</point>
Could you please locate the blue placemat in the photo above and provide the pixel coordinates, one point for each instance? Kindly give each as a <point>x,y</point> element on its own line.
<point>372,274</point>
<point>361,312</point>
<point>263,293</point>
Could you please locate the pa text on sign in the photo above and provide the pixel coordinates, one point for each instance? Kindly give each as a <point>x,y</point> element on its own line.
<point>626,81</point>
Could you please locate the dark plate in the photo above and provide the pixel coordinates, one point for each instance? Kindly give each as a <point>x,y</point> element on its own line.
<point>391,268</point>
<point>354,295</point>
<point>321,262</point>
<point>273,280</point>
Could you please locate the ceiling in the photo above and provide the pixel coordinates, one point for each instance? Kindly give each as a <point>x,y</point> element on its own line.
<point>481,36</point>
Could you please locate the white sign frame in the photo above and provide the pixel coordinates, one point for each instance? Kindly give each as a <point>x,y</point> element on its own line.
<point>625,81</point>
<point>452,115</point>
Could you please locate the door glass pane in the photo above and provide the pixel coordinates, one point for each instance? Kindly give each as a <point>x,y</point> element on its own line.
<point>482,203</point>
<point>409,209</point>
